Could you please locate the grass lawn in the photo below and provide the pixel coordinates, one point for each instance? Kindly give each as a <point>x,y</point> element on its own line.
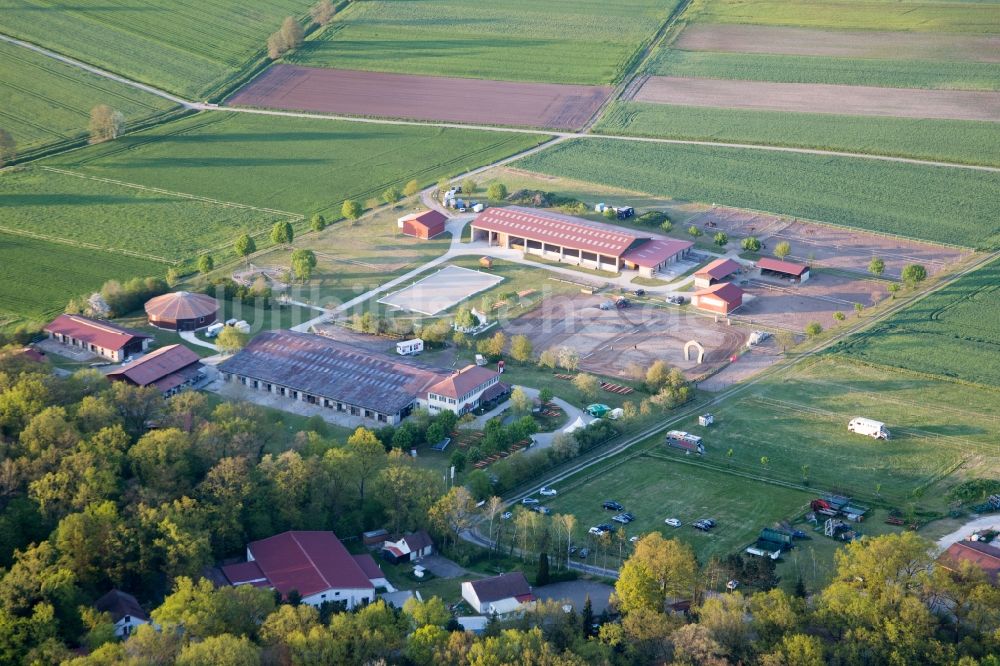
<point>942,433</point>
<point>586,42</point>
<point>954,332</point>
<point>290,164</point>
<point>46,101</point>
<point>38,277</point>
<point>955,206</point>
<point>654,486</point>
<point>961,141</point>
<point>183,46</point>
<point>115,217</point>
<point>961,17</point>
<point>940,74</point>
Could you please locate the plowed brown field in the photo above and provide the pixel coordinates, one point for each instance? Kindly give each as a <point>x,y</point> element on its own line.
<point>381,95</point>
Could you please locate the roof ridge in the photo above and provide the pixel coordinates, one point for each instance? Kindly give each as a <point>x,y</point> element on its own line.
<point>292,534</point>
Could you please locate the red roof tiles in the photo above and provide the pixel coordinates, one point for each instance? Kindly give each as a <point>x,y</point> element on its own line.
<point>719,269</point>
<point>464,381</point>
<point>161,367</point>
<point>727,291</point>
<point>779,266</point>
<point>99,333</point>
<point>181,305</point>
<point>654,252</point>
<point>309,562</point>
<point>556,230</point>
<point>982,555</point>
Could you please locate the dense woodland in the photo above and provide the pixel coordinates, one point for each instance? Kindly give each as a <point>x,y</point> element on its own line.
<point>106,485</point>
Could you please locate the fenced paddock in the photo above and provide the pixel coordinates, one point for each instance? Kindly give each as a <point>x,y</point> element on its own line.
<point>441,290</point>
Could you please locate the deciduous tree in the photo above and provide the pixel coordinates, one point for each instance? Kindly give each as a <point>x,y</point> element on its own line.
<point>411,188</point>
<point>876,266</point>
<point>496,192</point>
<point>521,348</point>
<point>351,209</point>
<point>751,244</point>
<point>657,570</point>
<point>303,263</point>
<point>206,264</point>
<point>391,195</point>
<point>721,239</point>
<point>245,246</point>
<point>913,274</point>
<point>230,340</point>
<point>322,12</point>
<point>105,123</point>
<point>587,385</point>
<point>282,233</point>
<point>317,222</point>
<point>782,249</point>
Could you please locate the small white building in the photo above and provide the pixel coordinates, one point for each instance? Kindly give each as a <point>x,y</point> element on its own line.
<point>465,390</point>
<point>410,548</point>
<point>410,347</point>
<point>124,610</point>
<point>500,595</point>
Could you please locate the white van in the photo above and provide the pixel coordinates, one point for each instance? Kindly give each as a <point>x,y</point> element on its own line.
<point>869,427</point>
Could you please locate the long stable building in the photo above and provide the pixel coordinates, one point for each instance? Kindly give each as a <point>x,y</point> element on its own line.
<point>345,378</point>
<point>105,339</point>
<point>572,240</point>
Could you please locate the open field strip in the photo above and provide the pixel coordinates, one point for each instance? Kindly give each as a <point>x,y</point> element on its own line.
<point>38,277</point>
<point>188,47</point>
<point>48,102</point>
<point>112,215</point>
<point>821,98</point>
<point>954,332</point>
<point>289,164</point>
<point>946,206</point>
<point>836,45</point>
<point>974,18</point>
<point>585,42</point>
<point>923,74</point>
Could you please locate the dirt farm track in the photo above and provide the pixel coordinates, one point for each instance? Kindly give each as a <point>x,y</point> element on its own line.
<point>382,95</point>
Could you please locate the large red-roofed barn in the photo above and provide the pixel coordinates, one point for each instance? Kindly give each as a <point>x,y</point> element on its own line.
<point>424,225</point>
<point>576,241</point>
<point>715,272</point>
<point>314,564</point>
<point>114,343</point>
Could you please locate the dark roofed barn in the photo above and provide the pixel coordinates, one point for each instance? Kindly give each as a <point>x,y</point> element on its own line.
<point>332,374</point>
<point>170,369</point>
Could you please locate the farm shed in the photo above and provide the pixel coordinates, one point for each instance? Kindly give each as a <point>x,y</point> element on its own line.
<point>981,555</point>
<point>572,240</point>
<point>114,343</point>
<point>720,299</point>
<point>654,255</point>
<point>499,595</point>
<point>170,370</point>
<point>182,311</point>
<point>424,225</point>
<point>785,270</point>
<point>332,374</point>
<point>715,272</point>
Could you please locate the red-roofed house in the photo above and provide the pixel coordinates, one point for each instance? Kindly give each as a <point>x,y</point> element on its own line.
<point>981,555</point>
<point>715,272</point>
<point>499,595</point>
<point>114,343</point>
<point>654,255</point>
<point>425,225</point>
<point>464,390</point>
<point>170,369</point>
<point>314,564</point>
<point>783,269</point>
<point>720,299</point>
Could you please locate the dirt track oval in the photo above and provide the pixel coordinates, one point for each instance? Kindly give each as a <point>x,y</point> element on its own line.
<point>382,95</point>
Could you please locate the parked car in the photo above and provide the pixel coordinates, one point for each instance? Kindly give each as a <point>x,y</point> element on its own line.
<point>620,518</point>
<point>506,515</point>
<point>628,516</point>
<point>606,305</point>
<point>544,510</point>
<point>622,303</point>
<point>633,539</point>
<point>583,553</point>
<point>529,501</point>
<point>673,522</point>
<point>732,585</point>
<point>572,549</point>
<point>595,530</point>
<point>705,524</point>
<point>548,492</point>
<point>612,505</point>
<point>639,292</point>
<point>676,300</point>
<point>606,527</point>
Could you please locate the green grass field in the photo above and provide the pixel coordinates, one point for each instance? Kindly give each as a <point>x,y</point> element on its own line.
<point>37,277</point>
<point>47,102</point>
<point>815,69</point>
<point>964,142</point>
<point>183,46</point>
<point>115,217</point>
<point>290,164</point>
<point>654,487</point>
<point>586,42</point>
<point>954,332</point>
<point>946,16</point>
<point>956,206</point>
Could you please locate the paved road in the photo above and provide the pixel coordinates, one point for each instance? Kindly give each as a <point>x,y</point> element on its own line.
<point>984,523</point>
<point>189,336</point>
<point>576,593</point>
<point>562,136</point>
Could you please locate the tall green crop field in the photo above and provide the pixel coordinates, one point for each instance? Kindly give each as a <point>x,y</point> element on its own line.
<point>948,205</point>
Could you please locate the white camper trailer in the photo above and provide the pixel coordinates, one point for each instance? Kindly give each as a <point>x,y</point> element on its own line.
<point>214,329</point>
<point>410,347</point>
<point>869,427</point>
